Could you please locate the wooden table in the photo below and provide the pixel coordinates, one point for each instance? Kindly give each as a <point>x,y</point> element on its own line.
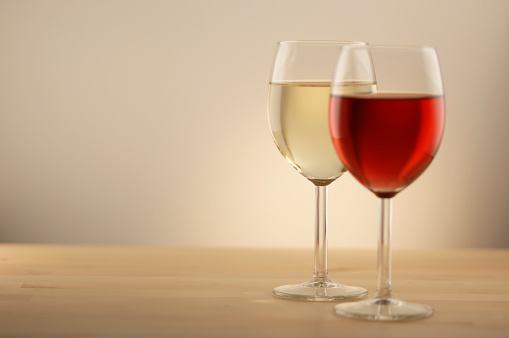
<point>92,291</point>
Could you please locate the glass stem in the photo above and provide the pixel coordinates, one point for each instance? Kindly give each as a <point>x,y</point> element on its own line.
<point>320,274</point>
<point>384,250</point>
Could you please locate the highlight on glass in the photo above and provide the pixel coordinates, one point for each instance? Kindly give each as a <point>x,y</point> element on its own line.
<point>298,105</point>
<point>387,138</point>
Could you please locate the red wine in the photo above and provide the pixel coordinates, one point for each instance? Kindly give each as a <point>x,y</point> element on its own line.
<point>387,140</point>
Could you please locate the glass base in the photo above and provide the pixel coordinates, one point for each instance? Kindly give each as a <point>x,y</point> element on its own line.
<point>388,309</point>
<point>319,291</point>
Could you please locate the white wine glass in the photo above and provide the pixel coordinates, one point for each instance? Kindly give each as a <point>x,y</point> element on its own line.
<point>298,104</point>
<point>387,139</point>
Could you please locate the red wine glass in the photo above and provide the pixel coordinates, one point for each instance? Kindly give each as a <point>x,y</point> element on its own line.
<point>387,139</point>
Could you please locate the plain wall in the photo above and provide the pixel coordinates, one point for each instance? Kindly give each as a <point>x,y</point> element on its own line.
<point>144,122</point>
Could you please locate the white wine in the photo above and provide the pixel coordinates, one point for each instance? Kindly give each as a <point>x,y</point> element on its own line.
<point>299,121</point>
<point>298,117</point>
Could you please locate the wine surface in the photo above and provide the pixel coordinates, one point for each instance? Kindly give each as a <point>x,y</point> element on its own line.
<point>387,140</point>
<point>298,116</point>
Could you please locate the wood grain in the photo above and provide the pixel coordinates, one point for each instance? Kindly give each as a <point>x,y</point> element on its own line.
<point>93,291</point>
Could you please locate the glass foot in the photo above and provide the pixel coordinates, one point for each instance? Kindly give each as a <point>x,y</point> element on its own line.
<point>388,309</point>
<point>319,291</point>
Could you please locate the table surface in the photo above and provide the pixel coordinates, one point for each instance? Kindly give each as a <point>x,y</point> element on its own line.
<point>108,291</point>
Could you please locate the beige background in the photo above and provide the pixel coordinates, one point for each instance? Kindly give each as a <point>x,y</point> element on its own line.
<point>144,122</point>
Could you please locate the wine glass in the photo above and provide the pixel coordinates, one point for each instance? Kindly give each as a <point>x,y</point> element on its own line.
<point>298,102</point>
<point>387,139</point>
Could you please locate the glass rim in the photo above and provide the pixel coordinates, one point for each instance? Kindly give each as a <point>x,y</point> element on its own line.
<point>416,47</point>
<point>321,42</point>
